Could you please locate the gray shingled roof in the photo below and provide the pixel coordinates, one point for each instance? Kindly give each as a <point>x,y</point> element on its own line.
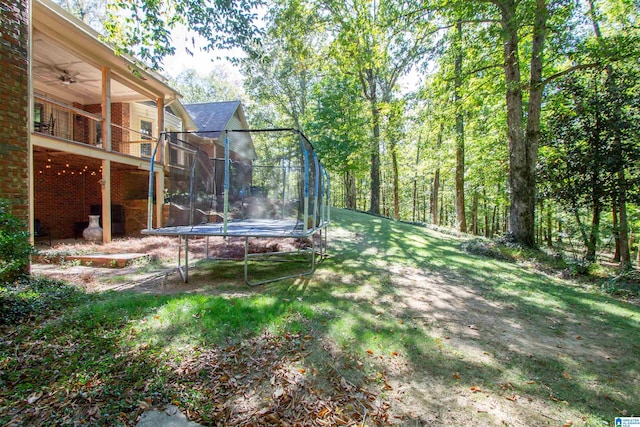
<point>212,115</point>
<point>215,116</point>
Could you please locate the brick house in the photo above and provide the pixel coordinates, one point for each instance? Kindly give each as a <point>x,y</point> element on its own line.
<point>89,123</point>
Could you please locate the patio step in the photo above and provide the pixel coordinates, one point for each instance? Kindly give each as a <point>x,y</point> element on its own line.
<point>97,260</point>
<point>107,260</point>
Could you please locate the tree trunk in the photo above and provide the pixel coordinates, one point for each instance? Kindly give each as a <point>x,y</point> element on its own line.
<point>350,190</point>
<point>375,145</point>
<point>436,185</point>
<point>474,214</point>
<point>616,233</point>
<point>415,182</point>
<point>523,147</point>
<point>396,185</point>
<point>592,245</point>
<point>487,229</point>
<point>549,226</point>
<point>434,198</point>
<point>461,220</point>
<point>623,226</point>
<point>443,219</point>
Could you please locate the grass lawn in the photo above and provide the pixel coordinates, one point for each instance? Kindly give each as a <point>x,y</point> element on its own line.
<point>398,326</point>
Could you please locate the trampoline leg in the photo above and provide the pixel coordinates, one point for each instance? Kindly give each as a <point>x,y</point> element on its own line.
<point>276,279</point>
<point>246,261</point>
<point>184,272</point>
<point>186,259</point>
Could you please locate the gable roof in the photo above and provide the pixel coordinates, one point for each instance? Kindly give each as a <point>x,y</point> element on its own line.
<point>212,118</point>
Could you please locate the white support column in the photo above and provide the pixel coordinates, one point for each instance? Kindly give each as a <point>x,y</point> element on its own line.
<point>105,182</point>
<point>106,108</point>
<point>159,129</point>
<point>159,196</point>
<point>30,172</point>
<point>160,173</point>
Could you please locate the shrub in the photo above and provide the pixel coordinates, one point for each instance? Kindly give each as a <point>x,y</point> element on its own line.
<point>15,248</point>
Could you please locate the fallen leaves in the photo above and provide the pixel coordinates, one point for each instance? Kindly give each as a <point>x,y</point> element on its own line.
<point>261,382</point>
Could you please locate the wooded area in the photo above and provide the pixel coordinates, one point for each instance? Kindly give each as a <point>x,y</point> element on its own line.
<point>496,117</point>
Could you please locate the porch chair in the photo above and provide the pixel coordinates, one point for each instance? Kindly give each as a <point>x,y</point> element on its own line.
<point>39,232</point>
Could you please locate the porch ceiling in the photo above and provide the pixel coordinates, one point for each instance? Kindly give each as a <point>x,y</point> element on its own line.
<point>61,160</point>
<point>62,74</point>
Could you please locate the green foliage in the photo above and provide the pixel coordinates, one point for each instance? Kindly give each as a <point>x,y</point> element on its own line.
<point>15,248</point>
<point>215,87</point>
<point>27,298</point>
<point>143,27</point>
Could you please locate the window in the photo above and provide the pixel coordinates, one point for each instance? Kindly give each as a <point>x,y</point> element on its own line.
<point>173,151</point>
<point>38,112</point>
<point>146,129</point>
<point>98,133</point>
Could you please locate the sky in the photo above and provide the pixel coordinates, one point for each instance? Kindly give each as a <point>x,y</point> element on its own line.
<point>203,62</point>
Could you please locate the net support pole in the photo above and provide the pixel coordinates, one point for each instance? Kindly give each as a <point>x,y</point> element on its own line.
<point>151,184</point>
<point>226,182</point>
<point>284,185</point>
<point>306,188</point>
<point>316,190</point>
<point>327,201</point>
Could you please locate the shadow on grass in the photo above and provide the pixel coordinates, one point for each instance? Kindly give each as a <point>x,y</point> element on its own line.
<point>393,303</point>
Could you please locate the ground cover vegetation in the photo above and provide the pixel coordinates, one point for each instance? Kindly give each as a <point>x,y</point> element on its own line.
<point>400,325</point>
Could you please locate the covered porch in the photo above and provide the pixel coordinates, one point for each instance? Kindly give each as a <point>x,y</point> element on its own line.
<point>96,119</point>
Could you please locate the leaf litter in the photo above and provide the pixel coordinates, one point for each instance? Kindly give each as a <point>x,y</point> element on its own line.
<point>262,381</point>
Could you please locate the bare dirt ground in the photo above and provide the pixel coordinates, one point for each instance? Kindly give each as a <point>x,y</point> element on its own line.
<point>160,275</point>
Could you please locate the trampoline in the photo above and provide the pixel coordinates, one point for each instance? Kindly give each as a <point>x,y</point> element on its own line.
<point>283,193</point>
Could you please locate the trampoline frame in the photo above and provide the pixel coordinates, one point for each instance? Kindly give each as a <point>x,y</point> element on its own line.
<point>257,229</point>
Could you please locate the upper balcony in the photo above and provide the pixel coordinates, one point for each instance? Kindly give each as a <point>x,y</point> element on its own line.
<point>88,100</point>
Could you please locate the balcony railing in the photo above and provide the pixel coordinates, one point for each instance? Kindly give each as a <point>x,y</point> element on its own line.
<point>62,121</point>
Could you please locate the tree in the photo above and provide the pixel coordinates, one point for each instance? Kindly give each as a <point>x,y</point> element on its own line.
<point>576,168</point>
<point>523,139</point>
<point>217,86</point>
<point>338,122</point>
<point>142,28</point>
<point>283,69</point>
<point>91,12</point>
<point>377,41</point>
<point>461,220</point>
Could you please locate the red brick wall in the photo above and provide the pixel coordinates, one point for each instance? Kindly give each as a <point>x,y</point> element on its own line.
<point>65,199</point>
<point>119,115</point>
<point>14,104</point>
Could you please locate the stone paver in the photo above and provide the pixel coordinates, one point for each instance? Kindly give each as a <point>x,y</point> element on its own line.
<point>170,417</point>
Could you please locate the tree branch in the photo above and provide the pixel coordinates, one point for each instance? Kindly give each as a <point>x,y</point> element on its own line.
<point>569,71</point>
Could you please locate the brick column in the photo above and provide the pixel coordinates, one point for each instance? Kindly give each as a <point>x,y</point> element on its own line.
<point>14,105</point>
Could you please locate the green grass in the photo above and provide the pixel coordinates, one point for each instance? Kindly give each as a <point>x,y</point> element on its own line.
<point>398,310</point>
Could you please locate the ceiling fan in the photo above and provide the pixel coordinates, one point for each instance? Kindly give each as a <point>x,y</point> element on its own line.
<point>68,78</point>
<point>52,74</point>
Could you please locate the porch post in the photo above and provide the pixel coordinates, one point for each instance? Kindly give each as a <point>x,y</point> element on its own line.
<point>106,108</point>
<point>106,201</point>
<point>160,173</point>
<point>106,164</point>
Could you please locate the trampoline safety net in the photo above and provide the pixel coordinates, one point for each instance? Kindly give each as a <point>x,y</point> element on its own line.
<point>282,192</point>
